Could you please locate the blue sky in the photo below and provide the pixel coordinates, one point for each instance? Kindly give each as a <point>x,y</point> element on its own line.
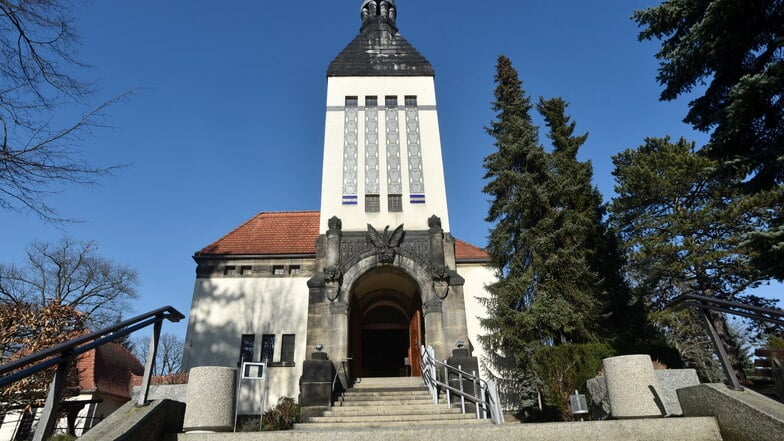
<point>228,117</point>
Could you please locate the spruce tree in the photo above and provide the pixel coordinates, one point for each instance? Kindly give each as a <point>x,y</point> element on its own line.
<point>546,234</point>
<point>518,178</point>
<point>734,49</point>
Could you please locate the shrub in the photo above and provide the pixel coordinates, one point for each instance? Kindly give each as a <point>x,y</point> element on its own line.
<point>566,368</point>
<point>283,416</point>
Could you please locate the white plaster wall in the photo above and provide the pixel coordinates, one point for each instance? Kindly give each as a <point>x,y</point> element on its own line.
<point>224,309</point>
<point>477,277</point>
<point>414,216</point>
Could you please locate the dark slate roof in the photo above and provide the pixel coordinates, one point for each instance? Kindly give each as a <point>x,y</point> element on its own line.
<point>380,50</point>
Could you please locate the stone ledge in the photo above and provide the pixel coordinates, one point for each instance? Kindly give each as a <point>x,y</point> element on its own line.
<point>742,415</point>
<point>661,429</point>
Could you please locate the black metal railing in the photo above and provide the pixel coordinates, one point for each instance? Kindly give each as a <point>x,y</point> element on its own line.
<point>62,354</point>
<point>703,305</point>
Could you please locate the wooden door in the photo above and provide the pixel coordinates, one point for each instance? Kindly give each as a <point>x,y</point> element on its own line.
<point>415,340</point>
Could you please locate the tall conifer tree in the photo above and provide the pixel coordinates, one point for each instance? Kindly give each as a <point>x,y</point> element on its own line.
<point>518,178</point>
<point>734,49</point>
<point>684,234</point>
<point>546,235</point>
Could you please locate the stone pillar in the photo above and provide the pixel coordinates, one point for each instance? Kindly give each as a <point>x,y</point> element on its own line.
<point>434,332</point>
<point>315,384</point>
<point>632,387</point>
<point>210,399</point>
<point>338,332</point>
<point>453,315</point>
<point>462,359</point>
<point>332,274</point>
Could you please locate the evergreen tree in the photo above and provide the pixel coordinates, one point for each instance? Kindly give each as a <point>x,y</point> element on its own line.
<point>735,48</point>
<point>546,235</point>
<point>683,232</point>
<point>518,177</point>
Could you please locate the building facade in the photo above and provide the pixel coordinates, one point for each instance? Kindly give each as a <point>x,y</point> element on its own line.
<point>375,273</point>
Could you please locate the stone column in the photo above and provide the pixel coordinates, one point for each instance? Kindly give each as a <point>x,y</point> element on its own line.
<point>210,399</point>
<point>632,387</point>
<point>338,332</point>
<point>434,332</point>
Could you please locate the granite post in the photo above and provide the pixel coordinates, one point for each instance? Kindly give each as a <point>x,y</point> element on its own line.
<point>210,399</point>
<point>632,387</point>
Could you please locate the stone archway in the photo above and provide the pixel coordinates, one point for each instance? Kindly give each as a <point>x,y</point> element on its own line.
<point>385,324</point>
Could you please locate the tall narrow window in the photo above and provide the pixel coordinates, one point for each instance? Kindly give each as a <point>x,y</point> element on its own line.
<point>287,348</point>
<point>350,150</point>
<point>394,174</point>
<point>247,347</point>
<point>416,178</point>
<point>372,174</point>
<point>267,347</point>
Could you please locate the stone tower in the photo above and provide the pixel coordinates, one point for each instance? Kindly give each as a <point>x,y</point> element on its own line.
<point>386,279</point>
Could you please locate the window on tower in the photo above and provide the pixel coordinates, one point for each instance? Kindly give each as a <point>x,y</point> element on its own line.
<point>395,203</point>
<point>352,101</point>
<point>371,101</point>
<point>390,101</point>
<point>411,101</point>
<point>372,203</point>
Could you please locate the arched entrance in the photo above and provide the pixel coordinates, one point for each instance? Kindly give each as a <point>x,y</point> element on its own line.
<point>386,327</point>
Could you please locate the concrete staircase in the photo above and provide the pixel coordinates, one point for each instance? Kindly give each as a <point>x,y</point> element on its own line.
<point>375,403</point>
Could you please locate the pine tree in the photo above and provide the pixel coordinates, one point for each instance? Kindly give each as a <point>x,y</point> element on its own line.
<point>683,231</point>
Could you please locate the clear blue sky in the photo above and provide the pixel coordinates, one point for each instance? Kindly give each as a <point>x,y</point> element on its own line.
<point>229,119</point>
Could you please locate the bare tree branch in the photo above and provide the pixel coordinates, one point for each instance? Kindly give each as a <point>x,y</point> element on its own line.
<point>38,158</point>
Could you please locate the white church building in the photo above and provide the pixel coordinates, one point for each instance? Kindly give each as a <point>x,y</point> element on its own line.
<point>376,272</point>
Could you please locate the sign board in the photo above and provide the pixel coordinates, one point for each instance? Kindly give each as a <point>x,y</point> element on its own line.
<point>253,371</point>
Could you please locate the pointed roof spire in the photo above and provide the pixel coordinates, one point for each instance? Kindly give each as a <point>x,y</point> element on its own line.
<point>378,8</point>
<point>379,49</point>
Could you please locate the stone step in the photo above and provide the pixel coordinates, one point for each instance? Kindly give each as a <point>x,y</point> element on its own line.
<point>394,395</point>
<point>362,403</point>
<point>390,410</point>
<point>402,382</point>
<point>659,429</point>
<point>329,426</point>
<point>387,418</point>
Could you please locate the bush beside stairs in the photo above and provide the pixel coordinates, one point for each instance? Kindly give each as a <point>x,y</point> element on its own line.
<point>388,402</point>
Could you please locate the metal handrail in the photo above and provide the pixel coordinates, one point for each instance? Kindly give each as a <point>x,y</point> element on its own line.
<point>337,374</point>
<point>63,353</point>
<point>705,304</point>
<point>487,398</point>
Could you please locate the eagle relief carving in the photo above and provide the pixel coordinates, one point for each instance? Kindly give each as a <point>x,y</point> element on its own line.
<point>386,243</point>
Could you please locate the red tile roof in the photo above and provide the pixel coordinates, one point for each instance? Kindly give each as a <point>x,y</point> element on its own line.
<point>292,232</point>
<point>270,233</point>
<point>466,251</point>
<point>108,369</point>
